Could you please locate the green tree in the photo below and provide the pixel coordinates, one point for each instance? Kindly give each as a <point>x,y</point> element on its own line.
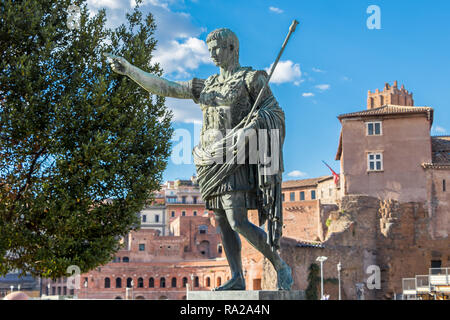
<point>313,282</point>
<point>73,134</point>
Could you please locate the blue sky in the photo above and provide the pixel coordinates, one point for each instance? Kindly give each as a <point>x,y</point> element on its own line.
<point>330,63</point>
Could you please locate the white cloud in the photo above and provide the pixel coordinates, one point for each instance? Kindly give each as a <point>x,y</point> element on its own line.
<point>297,174</point>
<point>286,71</point>
<point>323,87</point>
<point>276,10</point>
<point>182,57</point>
<point>318,70</point>
<point>184,110</point>
<point>111,4</point>
<point>439,129</point>
<point>345,78</point>
<point>308,94</point>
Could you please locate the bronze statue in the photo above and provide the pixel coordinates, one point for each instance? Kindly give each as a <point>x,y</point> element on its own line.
<point>232,182</point>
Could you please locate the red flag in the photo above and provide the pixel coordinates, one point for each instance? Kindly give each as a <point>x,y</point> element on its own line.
<point>335,175</point>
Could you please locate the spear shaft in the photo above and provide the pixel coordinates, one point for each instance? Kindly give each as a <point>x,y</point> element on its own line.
<point>258,99</point>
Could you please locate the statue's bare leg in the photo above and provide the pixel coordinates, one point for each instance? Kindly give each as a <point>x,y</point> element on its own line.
<point>232,247</point>
<point>257,237</point>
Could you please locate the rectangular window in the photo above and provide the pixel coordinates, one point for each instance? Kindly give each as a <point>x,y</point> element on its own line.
<point>374,162</point>
<point>444,187</point>
<point>141,247</point>
<point>313,194</point>
<point>173,214</point>
<point>156,217</point>
<point>302,195</point>
<point>374,128</point>
<point>183,213</point>
<point>144,218</point>
<point>195,213</point>
<point>292,196</point>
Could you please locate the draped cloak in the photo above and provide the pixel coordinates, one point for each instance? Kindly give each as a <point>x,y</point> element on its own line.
<point>220,158</point>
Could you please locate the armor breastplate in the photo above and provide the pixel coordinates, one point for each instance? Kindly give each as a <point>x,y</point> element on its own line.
<point>224,105</point>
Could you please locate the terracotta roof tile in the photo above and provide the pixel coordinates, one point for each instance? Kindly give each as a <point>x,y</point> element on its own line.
<point>441,149</point>
<point>303,182</point>
<point>389,110</point>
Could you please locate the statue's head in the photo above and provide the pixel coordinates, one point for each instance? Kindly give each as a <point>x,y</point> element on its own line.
<point>223,45</point>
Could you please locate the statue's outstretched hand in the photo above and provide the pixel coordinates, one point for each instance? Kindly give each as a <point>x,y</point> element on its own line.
<point>118,64</point>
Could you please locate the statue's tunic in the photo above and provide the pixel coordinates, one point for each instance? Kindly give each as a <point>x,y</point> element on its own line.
<point>224,105</point>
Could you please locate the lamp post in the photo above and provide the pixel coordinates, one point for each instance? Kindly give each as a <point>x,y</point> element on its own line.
<point>321,259</point>
<point>339,268</point>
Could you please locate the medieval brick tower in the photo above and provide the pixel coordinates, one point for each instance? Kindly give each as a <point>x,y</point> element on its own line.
<point>390,95</point>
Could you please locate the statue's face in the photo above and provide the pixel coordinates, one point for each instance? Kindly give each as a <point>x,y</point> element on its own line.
<point>221,54</point>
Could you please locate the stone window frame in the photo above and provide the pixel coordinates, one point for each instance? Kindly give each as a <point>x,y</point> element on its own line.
<point>375,161</point>
<point>374,122</point>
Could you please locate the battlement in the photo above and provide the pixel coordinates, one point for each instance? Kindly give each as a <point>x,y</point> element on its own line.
<point>390,95</point>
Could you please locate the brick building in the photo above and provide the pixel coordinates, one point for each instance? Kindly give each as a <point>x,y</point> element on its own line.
<point>152,266</point>
<point>392,210</point>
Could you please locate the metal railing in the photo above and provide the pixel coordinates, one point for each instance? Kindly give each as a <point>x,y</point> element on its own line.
<point>423,283</point>
<point>409,286</point>
<point>438,280</point>
<point>439,276</point>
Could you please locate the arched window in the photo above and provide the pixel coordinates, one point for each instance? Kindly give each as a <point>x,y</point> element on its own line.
<point>151,283</point>
<point>140,283</point>
<point>185,282</point>
<point>219,248</point>
<point>208,282</point>
<point>219,281</point>
<point>107,283</point>
<point>196,282</point>
<point>162,282</point>
<point>174,282</point>
<point>118,283</point>
<point>125,259</point>
<point>129,283</point>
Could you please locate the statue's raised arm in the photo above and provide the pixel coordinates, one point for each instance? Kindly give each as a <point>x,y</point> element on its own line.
<point>148,81</point>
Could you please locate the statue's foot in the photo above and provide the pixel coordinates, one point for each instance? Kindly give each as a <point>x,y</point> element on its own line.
<point>284,277</point>
<point>236,283</point>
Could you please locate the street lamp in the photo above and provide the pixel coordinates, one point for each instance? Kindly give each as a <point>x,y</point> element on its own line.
<point>321,259</point>
<point>339,268</point>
